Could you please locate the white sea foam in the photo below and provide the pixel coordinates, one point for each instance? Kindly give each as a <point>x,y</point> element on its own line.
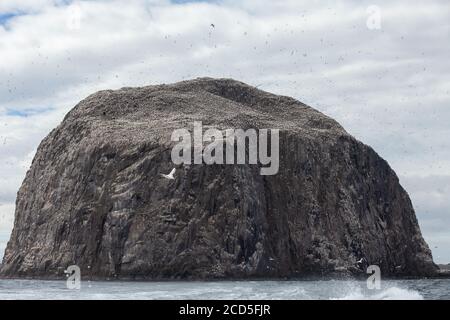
<point>392,293</point>
<point>234,290</point>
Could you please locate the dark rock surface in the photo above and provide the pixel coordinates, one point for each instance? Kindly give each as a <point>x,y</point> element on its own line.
<point>94,197</point>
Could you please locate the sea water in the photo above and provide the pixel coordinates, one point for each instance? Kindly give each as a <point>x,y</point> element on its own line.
<point>303,290</point>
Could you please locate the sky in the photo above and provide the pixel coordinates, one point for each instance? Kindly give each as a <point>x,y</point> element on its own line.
<point>381,69</point>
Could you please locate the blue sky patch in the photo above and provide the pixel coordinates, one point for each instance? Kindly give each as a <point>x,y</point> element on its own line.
<point>188,1</point>
<point>23,113</point>
<point>5,17</point>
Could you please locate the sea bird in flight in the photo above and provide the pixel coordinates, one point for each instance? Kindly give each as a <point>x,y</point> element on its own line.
<point>170,175</point>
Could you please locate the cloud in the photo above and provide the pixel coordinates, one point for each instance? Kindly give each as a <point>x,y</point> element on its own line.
<point>6,224</point>
<point>387,87</point>
<point>430,195</point>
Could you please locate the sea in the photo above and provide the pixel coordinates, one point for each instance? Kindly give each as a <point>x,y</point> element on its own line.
<point>422,289</point>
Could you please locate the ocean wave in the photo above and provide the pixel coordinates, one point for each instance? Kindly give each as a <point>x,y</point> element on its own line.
<point>391,293</point>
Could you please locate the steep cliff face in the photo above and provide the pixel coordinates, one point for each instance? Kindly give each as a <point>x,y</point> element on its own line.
<point>94,196</point>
